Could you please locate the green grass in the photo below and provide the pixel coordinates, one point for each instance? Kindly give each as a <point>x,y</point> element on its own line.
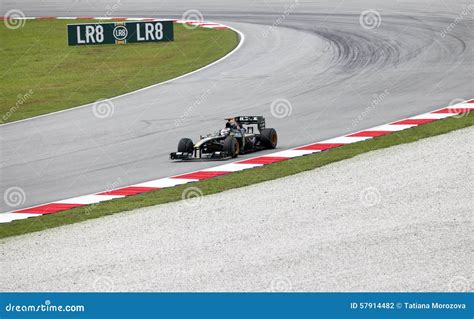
<point>40,73</point>
<point>235,180</point>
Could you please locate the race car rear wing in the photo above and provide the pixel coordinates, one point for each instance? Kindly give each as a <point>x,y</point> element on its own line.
<point>259,120</point>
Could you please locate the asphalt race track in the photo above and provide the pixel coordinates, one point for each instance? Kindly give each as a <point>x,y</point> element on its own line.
<point>315,54</point>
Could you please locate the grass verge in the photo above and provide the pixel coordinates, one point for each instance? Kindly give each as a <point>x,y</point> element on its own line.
<point>41,74</point>
<point>237,179</point>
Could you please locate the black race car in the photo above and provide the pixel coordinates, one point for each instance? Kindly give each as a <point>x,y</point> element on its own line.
<point>242,134</point>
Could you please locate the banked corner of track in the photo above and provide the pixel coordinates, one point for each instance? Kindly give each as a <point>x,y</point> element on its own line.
<point>153,185</point>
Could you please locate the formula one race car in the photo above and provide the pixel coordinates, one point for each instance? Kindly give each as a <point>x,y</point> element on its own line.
<point>238,137</point>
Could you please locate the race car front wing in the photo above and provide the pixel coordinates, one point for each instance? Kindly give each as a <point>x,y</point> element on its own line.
<point>199,155</point>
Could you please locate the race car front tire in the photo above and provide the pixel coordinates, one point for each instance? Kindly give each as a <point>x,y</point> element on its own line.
<point>231,146</point>
<point>269,138</point>
<point>185,145</point>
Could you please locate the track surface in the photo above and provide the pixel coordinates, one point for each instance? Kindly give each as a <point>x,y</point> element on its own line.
<point>318,57</point>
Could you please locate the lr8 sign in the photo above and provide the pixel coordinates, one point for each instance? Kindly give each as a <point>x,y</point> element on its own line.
<point>120,33</point>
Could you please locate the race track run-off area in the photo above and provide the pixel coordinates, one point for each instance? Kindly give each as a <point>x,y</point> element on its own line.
<point>324,74</point>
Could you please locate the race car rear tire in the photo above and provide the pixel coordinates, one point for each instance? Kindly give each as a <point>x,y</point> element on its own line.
<point>269,137</point>
<point>185,145</point>
<point>231,146</point>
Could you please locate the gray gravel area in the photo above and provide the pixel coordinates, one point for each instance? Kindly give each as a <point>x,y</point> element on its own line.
<point>398,219</point>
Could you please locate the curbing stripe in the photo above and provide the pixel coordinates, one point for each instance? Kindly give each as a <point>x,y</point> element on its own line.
<point>166,182</point>
<point>200,175</point>
<point>131,190</point>
<point>89,199</point>
<point>48,208</point>
<point>414,121</point>
<point>371,133</point>
<point>8,217</point>
<point>233,167</point>
<point>268,159</point>
<point>292,153</point>
<point>348,139</point>
<point>430,116</point>
<point>320,146</point>
<point>391,128</point>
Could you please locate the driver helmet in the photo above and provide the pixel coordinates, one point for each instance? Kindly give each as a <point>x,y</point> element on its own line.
<point>224,132</point>
<point>232,123</point>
